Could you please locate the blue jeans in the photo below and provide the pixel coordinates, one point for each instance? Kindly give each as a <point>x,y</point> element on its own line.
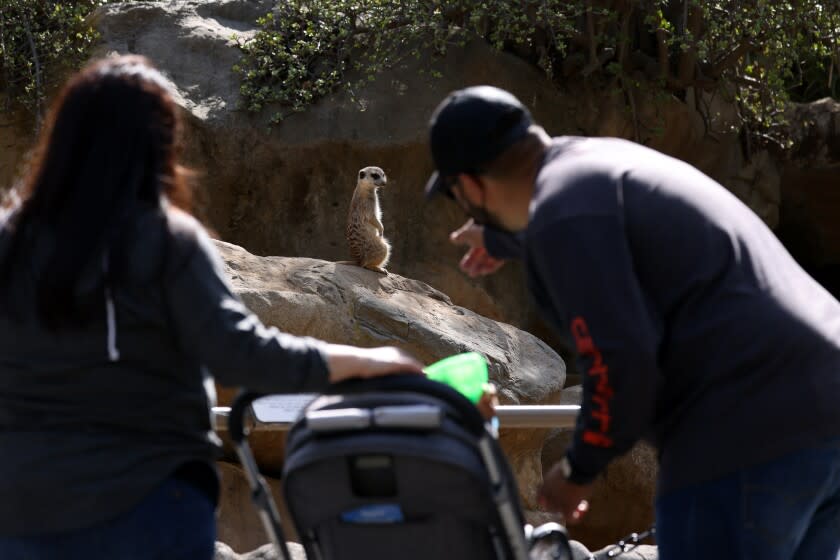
<point>175,521</point>
<point>785,509</point>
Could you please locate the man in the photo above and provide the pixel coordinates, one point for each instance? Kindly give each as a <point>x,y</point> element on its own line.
<point>694,327</point>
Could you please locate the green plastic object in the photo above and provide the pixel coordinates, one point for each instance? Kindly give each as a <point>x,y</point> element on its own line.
<point>466,373</point>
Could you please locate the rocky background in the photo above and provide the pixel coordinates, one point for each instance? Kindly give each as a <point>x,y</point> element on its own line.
<point>285,190</point>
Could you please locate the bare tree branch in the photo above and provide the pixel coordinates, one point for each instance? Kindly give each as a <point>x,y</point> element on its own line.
<point>730,58</point>
<point>748,81</point>
<point>624,37</point>
<point>6,64</point>
<point>632,101</point>
<point>662,54</point>
<point>694,29</point>
<point>590,33</point>
<point>39,92</point>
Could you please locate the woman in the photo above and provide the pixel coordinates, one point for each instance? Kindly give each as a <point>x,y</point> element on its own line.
<point>114,314</point>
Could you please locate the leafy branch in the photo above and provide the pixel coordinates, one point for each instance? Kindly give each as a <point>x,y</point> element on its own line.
<point>760,54</point>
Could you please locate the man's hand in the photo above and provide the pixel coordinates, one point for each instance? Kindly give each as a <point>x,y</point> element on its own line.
<point>560,495</point>
<point>488,402</point>
<point>477,261</point>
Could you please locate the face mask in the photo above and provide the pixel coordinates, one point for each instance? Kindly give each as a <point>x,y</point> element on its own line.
<point>479,214</point>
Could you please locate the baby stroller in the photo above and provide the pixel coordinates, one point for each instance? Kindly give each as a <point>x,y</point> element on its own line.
<point>396,467</point>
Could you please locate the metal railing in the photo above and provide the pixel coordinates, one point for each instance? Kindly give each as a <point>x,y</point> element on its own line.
<point>510,416</point>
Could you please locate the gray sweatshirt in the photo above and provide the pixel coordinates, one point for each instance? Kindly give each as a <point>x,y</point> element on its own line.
<point>93,419</point>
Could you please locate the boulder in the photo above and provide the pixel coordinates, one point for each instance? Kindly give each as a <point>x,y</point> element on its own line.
<point>815,128</point>
<point>348,304</point>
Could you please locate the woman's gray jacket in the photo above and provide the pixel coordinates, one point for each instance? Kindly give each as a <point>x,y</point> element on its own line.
<point>93,418</point>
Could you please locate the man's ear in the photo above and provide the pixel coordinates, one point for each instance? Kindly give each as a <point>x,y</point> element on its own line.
<point>472,189</point>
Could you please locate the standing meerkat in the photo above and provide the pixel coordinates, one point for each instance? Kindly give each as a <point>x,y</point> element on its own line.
<point>368,247</point>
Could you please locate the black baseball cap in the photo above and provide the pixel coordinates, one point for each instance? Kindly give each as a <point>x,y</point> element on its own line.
<point>469,129</point>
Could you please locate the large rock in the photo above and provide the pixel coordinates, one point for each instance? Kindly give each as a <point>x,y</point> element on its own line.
<point>348,304</point>
<point>815,128</point>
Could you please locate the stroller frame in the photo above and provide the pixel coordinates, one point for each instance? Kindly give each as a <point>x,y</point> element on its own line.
<point>520,537</point>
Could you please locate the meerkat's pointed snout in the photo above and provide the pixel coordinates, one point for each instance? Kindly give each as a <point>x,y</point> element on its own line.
<point>379,179</point>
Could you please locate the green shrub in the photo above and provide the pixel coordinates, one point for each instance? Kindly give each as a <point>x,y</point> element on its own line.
<point>40,40</point>
<point>307,48</point>
<point>759,54</point>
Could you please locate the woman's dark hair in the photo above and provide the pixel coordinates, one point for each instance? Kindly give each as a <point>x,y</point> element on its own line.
<point>109,147</point>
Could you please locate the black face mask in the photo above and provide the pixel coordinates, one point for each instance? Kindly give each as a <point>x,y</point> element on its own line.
<point>479,214</point>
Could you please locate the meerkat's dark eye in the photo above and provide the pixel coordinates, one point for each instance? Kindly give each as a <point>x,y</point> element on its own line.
<point>375,175</point>
<point>361,174</point>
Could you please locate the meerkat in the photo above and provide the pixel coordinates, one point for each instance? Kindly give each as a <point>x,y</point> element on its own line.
<point>368,247</point>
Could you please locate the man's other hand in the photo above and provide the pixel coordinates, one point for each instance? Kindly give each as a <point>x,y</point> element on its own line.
<point>477,261</point>
<point>559,495</point>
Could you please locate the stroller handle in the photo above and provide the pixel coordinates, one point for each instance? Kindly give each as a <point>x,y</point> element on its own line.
<point>469,414</point>
<point>236,420</point>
